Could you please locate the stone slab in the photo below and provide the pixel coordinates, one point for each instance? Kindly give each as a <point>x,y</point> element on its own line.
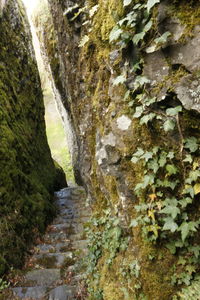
<point>44,277</point>
<point>30,292</point>
<point>62,292</point>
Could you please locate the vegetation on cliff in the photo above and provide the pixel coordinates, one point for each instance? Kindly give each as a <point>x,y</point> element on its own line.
<point>27,173</point>
<point>133,98</point>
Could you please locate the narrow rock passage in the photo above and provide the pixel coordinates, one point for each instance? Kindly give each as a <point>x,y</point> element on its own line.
<point>56,269</point>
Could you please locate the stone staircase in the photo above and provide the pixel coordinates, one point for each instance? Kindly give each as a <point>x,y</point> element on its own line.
<point>55,270</point>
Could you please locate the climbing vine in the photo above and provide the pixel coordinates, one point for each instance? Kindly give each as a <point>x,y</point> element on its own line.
<point>107,237</point>
<point>171,178</point>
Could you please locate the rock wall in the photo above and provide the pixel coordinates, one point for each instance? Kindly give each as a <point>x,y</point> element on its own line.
<point>128,75</point>
<point>27,173</point>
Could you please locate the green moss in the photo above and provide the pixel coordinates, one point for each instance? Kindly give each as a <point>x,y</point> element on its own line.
<point>105,19</point>
<point>27,173</point>
<point>48,262</point>
<point>188,12</point>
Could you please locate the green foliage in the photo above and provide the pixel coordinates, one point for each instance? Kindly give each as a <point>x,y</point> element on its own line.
<point>169,125</point>
<point>170,180</point>
<point>127,2</point>
<point>119,80</point>
<point>3,284</point>
<point>151,3</point>
<point>191,292</point>
<point>104,233</point>
<point>163,212</point>
<point>115,33</point>
<point>105,237</point>
<point>27,172</point>
<point>191,144</point>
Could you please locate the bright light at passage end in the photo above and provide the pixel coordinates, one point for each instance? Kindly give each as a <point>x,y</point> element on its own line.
<point>31,4</point>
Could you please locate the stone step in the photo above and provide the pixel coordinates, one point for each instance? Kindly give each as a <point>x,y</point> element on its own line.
<point>60,228</point>
<point>51,260</point>
<point>62,220</point>
<point>42,277</point>
<point>81,244</point>
<point>70,192</point>
<point>48,248</point>
<point>36,292</point>
<point>53,238</point>
<point>63,292</point>
<point>60,253</point>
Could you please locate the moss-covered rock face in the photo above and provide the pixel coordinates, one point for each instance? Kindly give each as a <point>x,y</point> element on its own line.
<point>144,242</point>
<point>27,172</point>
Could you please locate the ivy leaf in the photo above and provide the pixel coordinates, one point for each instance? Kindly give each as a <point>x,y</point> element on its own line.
<point>171,169</point>
<point>151,3</point>
<point>166,183</point>
<point>188,190</point>
<point>83,41</point>
<point>195,250</point>
<point>151,49</point>
<point>148,26</point>
<point>188,158</point>
<point>141,80</point>
<point>197,188</point>
<point>133,223</point>
<point>155,149</point>
<point>173,111</point>
<point>163,159</point>
<point>173,211</point>
<point>186,227</point>
<point>127,94</point>
<point>170,225</point>
<point>130,104</point>
<point>171,247</point>
<point>163,38</point>
<point>138,112</point>
<point>119,80</point>
<point>147,118</point>
<point>138,6</point>
<point>153,165</point>
<point>138,37</point>
<point>139,152</point>
<point>185,201</point>
<point>191,144</point>
<point>115,34</point>
<point>148,180</point>
<point>149,101</point>
<point>170,155</point>
<point>137,155</point>
<point>169,125</point>
<point>135,159</point>
<point>130,19</point>
<point>147,156</point>
<point>170,201</point>
<point>141,207</point>
<point>127,2</point>
<point>193,176</point>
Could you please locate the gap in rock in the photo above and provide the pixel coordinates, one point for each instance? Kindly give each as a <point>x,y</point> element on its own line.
<point>56,133</point>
